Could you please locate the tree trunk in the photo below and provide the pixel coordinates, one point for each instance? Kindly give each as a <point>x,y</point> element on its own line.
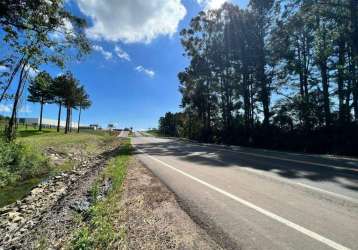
<point>340,82</point>
<point>264,95</point>
<point>354,43</point>
<point>67,119</point>
<point>13,74</point>
<point>70,121</point>
<point>59,117</point>
<point>325,87</point>
<point>41,111</point>
<point>79,120</point>
<point>10,133</point>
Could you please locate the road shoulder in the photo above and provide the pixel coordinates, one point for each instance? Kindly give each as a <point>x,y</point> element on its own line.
<point>153,217</point>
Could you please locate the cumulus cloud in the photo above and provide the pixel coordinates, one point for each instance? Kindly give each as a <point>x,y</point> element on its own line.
<point>32,72</point>
<point>121,53</point>
<point>106,54</point>
<point>148,72</point>
<point>132,21</point>
<point>8,109</point>
<point>212,4</point>
<point>3,68</point>
<point>5,108</point>
<point>65,29</point>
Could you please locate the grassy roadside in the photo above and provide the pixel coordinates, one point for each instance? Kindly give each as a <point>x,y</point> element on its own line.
<point>23,164</point>
<point>101,230</point>
<point>154,132</point>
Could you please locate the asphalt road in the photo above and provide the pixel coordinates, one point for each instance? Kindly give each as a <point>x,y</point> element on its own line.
<point>257,199</point>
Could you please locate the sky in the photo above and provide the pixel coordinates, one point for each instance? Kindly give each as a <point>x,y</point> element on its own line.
<point>131,74</point>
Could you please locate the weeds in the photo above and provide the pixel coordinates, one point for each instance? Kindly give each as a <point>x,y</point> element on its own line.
<point>100,232</point>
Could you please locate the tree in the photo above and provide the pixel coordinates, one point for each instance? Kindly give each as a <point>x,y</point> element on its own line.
<point>262,10</point>
<point>83,102</point>
<point>46,34</point>
<point>171,124</point>
<point>301,54</point>
<point>70,86</point>
<point>58,93</point>
<point>39,91</point>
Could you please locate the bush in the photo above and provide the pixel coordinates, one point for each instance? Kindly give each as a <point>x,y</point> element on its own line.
<point>20,162</point>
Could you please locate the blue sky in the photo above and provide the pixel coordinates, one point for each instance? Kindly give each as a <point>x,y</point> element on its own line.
<point>131,75</point>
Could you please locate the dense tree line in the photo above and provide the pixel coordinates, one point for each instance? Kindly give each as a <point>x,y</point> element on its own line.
<point>278,74</point>
<point>64,90</point>
<point>35,33</point>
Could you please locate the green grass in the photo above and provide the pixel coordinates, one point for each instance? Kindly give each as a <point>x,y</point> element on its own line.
<point>154,132</point>
<point>62,142</point>
<point>35,143</point>
<point>102,231</point>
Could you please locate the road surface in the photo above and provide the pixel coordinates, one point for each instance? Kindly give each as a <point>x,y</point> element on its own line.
<point>258,199</point>
<point>123,134</point>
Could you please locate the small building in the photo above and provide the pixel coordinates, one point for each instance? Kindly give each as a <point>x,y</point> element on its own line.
<point>46,123</point>
<point>94,126</point>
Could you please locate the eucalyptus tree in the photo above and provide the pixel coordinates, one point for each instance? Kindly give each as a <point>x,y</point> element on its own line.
<point>39,91</point>
<point>262,11</point>
<point>49,32</point>
<point>198,82</point>
<point>293,45</point>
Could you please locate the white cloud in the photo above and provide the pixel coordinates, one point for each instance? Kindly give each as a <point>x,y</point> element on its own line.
<point>3,68</point>
<point>5,108</point>
<point>32,72</point>
<point>65,29</point>
<point>148,72</point>
<point>132,21</point>
<point>25,109</point>
<point>106,54</point>
<point>212,4</point>
<point>8,109</point>
<point>121,53</point>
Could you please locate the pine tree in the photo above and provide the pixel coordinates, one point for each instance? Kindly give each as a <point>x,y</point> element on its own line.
<point>39,92</point>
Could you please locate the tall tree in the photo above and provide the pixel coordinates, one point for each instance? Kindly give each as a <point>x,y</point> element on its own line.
<point>83,102</point>
<point>262,11</point>
<point>39,91</point>
<point>71,97</point>
<point>58,93</point>
<point>48,32</point>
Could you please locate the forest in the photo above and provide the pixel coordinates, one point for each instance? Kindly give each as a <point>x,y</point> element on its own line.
<point>279,74</point>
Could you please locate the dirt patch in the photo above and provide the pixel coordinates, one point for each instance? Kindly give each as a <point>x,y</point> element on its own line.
<point>154,219</point>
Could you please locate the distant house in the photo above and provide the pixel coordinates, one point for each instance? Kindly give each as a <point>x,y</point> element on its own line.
<point>94,126</point>
<point>110,127</point>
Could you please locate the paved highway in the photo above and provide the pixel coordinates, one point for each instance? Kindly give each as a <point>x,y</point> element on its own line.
<point>258,199</point>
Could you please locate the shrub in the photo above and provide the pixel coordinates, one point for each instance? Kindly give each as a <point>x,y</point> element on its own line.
<point>20,162</point>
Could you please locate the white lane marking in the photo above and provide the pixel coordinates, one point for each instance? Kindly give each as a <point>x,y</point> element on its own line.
<point>260,172</point>
<point>233,150</point>
<point>269,214</point>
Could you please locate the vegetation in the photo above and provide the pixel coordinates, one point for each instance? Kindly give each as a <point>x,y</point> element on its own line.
<point>101,231</point>
<point>67,91</point>
<point>279,74</point>
<point>20,162</point>
<point>39,91</point>
<point>23,163</point>
<point>35,33</point>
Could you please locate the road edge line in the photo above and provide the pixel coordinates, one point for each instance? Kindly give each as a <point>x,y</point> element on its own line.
<point>269,214</point>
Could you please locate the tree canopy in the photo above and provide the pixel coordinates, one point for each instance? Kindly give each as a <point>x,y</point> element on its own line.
<point>278,74</point>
